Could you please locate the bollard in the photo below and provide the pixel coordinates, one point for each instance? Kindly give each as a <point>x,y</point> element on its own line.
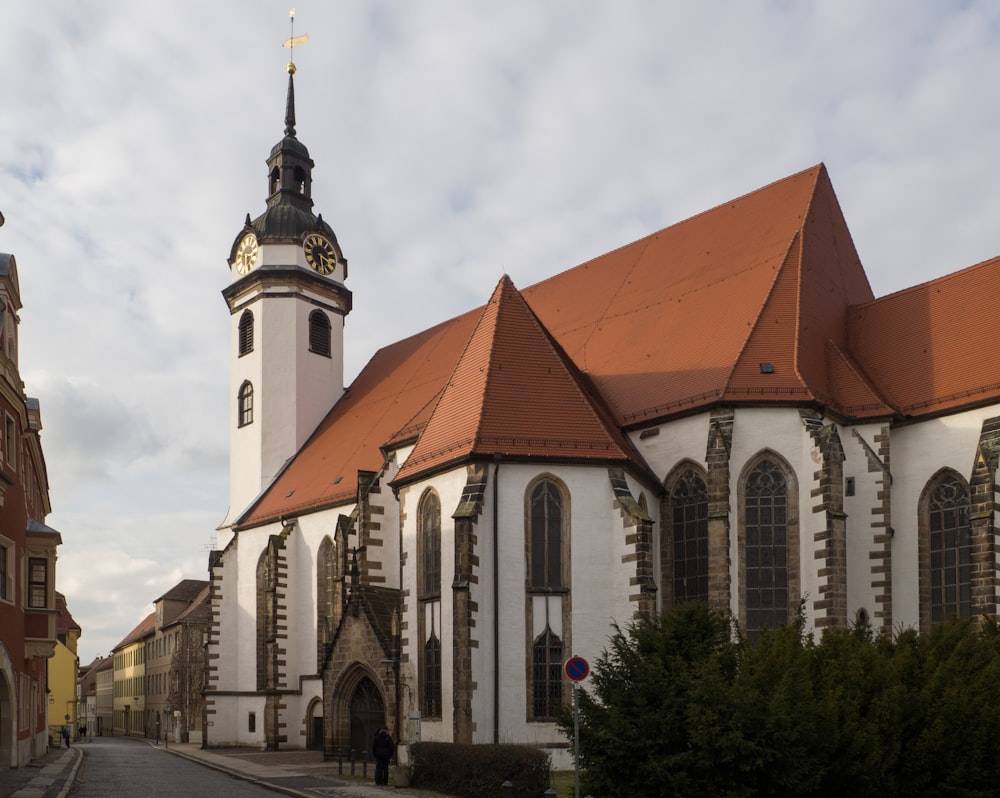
<point>352,761</point>
<point>506,790</point>
<point>364,765</point>
<point>550,793</point>
<point>340,761</point>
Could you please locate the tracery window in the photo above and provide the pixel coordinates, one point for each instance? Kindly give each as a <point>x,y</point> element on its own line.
<point>766,547</point>
<point>545,514</point>
<point>688,508</point>
<point>429,595</point>
<point>950,548</point>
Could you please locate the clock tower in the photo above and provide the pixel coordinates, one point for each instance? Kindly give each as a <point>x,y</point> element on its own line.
<point>287,303</point>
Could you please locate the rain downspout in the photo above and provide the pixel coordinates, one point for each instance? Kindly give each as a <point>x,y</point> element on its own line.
<point>496,599</point>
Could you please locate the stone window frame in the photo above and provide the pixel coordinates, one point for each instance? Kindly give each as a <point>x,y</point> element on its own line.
<point>429,666</point>
<point>267,620</point>
<point>792,532</point>
<point>545,592</point>
<point>548,652</point>
<point>7,570</point>
<point>924,554</point>
<point>530,535</point>
<point>667,535</point>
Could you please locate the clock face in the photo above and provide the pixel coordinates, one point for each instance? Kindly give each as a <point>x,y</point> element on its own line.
<point>320,254</point>
<point>246,253</point>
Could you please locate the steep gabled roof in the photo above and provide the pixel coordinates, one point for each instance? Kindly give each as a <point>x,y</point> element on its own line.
<point>185,590</point>
<point>761,300</point>
<point>514,393</point>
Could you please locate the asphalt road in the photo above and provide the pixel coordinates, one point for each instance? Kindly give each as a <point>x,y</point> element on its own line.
<point>116,767</point>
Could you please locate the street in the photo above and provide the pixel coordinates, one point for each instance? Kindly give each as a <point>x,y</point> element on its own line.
<point>115,767</point>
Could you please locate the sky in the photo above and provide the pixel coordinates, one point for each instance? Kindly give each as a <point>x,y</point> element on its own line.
<point>455,141</point>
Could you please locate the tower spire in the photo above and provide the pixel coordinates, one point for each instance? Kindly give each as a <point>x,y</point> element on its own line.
<point>291,43</point>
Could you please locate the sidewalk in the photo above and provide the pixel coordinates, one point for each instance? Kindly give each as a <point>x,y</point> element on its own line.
<point>48,777</point>
<point>297,773</point>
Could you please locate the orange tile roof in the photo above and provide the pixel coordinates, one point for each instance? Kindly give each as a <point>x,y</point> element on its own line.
<point>669,324</point>
<point>927,347</point>
<point>513,393</point>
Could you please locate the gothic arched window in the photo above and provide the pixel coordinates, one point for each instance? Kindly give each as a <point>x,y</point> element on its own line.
<point>245,404</point>
<point>545,518</point>
<point>949,547</point>
<point>319,333</point>
<point>246,333</point>
<point>686,518</point>
<point>766,547</point>
<point>429,600</point>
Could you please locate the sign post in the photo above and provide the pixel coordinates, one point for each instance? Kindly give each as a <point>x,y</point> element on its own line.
<point>577,669</point>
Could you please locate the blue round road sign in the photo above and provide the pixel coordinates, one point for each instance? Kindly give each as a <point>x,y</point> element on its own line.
<point>577,669</point>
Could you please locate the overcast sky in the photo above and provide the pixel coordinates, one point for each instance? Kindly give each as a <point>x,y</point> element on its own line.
<point>454,141</point>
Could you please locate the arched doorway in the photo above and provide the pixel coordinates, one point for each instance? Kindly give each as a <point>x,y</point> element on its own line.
<point>367,713</point>
<point>314,726</point>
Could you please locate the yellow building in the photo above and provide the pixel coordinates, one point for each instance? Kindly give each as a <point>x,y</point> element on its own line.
<point>64,667</point>
<point>129,679</point>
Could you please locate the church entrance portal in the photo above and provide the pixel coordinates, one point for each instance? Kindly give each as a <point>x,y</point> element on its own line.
<point>367,716</point>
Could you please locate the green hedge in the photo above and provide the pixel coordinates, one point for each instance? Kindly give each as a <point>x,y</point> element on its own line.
<point>477,771</point>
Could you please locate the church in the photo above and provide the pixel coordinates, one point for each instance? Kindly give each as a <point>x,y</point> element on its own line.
<point>721,411</point>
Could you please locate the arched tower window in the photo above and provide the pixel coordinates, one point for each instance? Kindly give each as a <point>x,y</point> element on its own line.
<point>319,333</point>
<point>684,545</point>
<point>274,181</point>
<point>246,333</point>
<point>245,404</point>
<point>945,548</point>
<point>768,544</point>
<point>429,599</point>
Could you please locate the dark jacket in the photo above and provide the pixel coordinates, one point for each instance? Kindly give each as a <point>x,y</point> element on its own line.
<point>382,745</point>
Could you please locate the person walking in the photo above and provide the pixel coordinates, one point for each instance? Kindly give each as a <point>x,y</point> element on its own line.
<point>65,734</point>
<point>382,749</point>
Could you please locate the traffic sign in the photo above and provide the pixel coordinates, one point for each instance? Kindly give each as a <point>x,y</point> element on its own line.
<point>577,669</point>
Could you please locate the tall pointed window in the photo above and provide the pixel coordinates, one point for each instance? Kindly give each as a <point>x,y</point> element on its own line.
<point>319,333</point>
<point>246,333</point>
<point>948,562</point>
<point>547,678</point>
<point>429,596</point>
<point>766,547</point>
<point>327,601</point>
<point>546,527</point>
<point>685,549</point>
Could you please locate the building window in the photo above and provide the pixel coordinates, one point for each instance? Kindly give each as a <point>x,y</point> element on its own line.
<point>432,678</point>
<point>6,580</point>
<point>950,548</point>
<point>328,610</point>
<point>11,440</point>
<point>547,677</point>
<point>429,546</point>
<point>545,518</point>
<point>246,333</point>
<point>685,551</point>
<point>252,722</point>
<point>429,594</point>
<point>38,582</point>
<point>319,333</point>
<point>765,551</point>
<point>246,404</point>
